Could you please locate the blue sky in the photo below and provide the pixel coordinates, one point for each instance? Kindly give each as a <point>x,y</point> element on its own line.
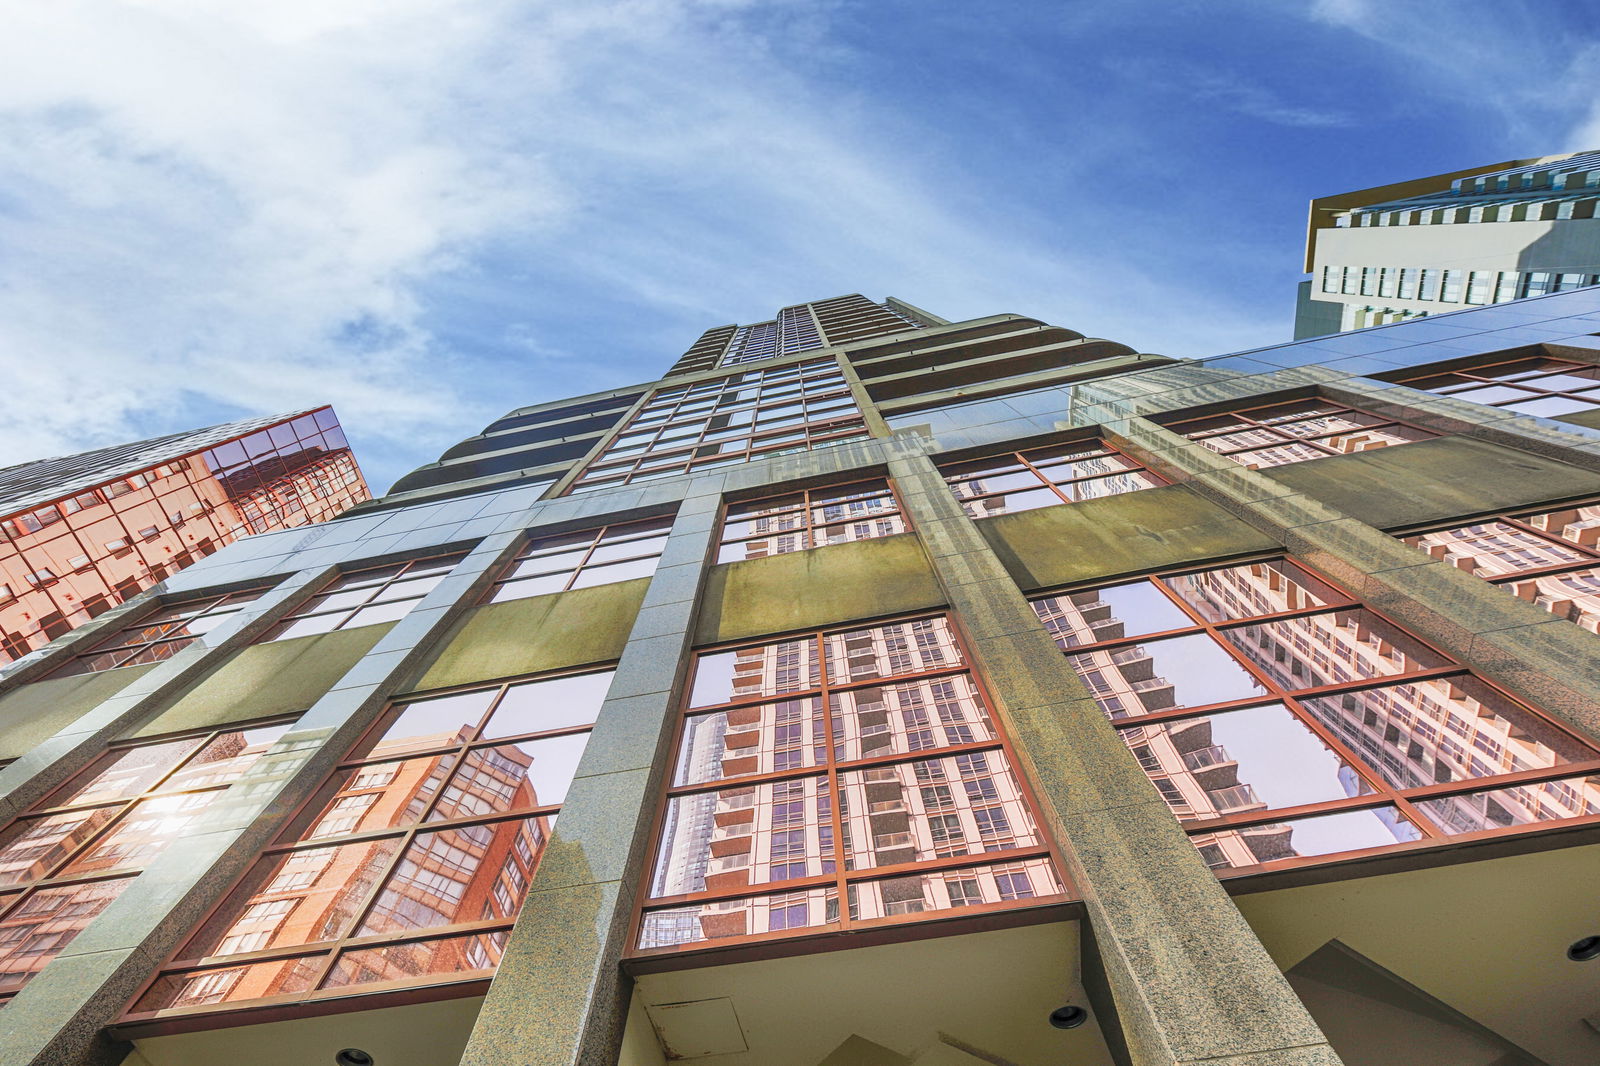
<point>427,212</point>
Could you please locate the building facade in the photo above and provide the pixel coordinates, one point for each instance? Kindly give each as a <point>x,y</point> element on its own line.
<point>1487,235</point>
<point>869,690</point>
<point>82,533</point>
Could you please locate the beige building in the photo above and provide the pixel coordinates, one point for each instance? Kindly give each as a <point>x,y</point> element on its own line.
<point>1484,235</point>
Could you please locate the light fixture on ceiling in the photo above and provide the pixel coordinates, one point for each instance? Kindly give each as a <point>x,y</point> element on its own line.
<point>353,1056</point>
<point>1585,949</point>
<point>1068,1017</point>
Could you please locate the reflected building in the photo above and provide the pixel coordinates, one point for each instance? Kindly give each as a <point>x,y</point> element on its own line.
<point>82,533</point>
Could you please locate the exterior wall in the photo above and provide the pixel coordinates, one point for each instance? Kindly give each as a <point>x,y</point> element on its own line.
<point>1184,978</point>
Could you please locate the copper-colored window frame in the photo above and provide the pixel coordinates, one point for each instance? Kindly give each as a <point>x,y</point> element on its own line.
<point>344,999</point>
<point>1029,457</point>
<point>203,605</point>
<point>1592,398</point>
<point>847,931</point>
<point>596,536</point>
<point>1177,420</point>
<point>353,612</point>
<point>807,508</point>
<point>1402,799</point>
<point>14,896</point>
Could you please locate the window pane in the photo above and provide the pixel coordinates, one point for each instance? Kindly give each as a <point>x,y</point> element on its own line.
<point>1254,759</point>
<point>1236,592</point>
<point>1323,834</point>
<point>884,651</point>
<point>1431,732</point>
<point>324,886</point>
<point>226,757</point>
<point>937,808</point>
<point>441,957</point>
<point>433,723</point>
<point>554,703</point>
<point>47,922</point>
<point>590,576</point>
<point>1115,485</point>
<point>1190,671</point>
<point>747,835</point>
<point>148,828</point>
<point>908,717</point>
<point>507,777</point>
<point>770,670</point>
<point>280,977</point>
<point>124,774</point>
<point>941,890</point>
<point>375,796</point>
<point>1109,613</point>
<point>449,876</point>
<point>31,847</point>
<point>1325,649</point>
<point>768,737</point>
<point>533,586</point>
<point>721,920</point>
<point>1574,596</point>
<point>1013,502</point>
<point>1492,548</point>
<point>1552,406</point>
<point>1547,801</point>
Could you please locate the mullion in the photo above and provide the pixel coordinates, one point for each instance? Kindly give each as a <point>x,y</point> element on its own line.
<point>205,963</point>
<point>836,798</point>
<point>1245,703</point>
<point>809,691</point>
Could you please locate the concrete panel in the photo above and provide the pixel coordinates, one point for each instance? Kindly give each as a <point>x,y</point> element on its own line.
<point>1132,533</point>
<point>801,590</point>
<point>34,712</point>
<point>267,679</point>
<point>539,633</point>
<point>1434,480</point>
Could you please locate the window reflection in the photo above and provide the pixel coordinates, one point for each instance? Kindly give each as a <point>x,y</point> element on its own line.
<point>1044,477</point>
<point>1278,693</point>
<point>451,834</point>
<point>1294,431</point>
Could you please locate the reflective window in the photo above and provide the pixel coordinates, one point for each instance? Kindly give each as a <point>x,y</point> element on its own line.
<point>160,634</point>
<point>73,853</point>
<point>1550,558</point>
<point>1531,386</point>
<point>1244,691</point>
<point>408,866</point>
<point>1044,477</point>
<point>578,560</point>
<point>810,519</point>
<point>365,597</point>
<point>735,419</point>
<point>1294,431</point>
<point>804,767</point>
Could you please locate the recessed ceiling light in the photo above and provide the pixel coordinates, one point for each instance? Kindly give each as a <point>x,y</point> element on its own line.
<point>1584,950</point>
<point>353,1056</point>
<point>1068,1017</point>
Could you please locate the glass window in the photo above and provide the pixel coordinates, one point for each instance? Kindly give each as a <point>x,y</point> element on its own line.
<point>1549,558</point>
<point>1295,431</point>
<point>435,822</point>
<point>72,854</point>
<point>1253,689</point>
<point>810,519</point>
<point>1530,385</point>
<point>365,597</point>
<point>564,561</point>
<point>1044,477</point>
<point>732,419</point>
<point>160,634</point>
<point>879,753</point>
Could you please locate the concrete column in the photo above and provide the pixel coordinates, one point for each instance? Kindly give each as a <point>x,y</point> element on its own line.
<point>1538,657</point>
<point>560,997</point>
<point>1189,979</point>
<point>52,762</point>
<point>58,1018</point>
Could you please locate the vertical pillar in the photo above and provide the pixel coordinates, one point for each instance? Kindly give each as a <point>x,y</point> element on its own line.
<point>560,997</point>
<point>1190,980</point>
<point>57,1020</point>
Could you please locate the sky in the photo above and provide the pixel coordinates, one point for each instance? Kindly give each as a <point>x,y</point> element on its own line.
<point>429,212</point>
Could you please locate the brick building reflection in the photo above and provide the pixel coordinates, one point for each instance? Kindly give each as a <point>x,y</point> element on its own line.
<point>81,533</point>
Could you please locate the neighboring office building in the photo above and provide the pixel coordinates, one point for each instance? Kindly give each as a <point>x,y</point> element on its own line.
<point>83,533</point>
<point>1486,235</point>
<point>862,691</point>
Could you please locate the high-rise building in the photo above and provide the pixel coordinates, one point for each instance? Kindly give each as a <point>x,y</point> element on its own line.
<point>868,690</point>
<point>82,533</point>
<point>1485,235</point>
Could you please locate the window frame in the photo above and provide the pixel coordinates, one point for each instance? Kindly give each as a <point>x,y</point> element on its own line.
<point>173,633</point>
<point>1381,795</point>
<point>955,474</point>
<point>1472,380</point>
<point>811,526</point>
<point>307,608</point>
<point>1175,422</point>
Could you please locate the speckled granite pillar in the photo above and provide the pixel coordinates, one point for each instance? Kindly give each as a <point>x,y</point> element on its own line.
<point>58,1018</point>
<point>560,997</point>
<point>1191,982</point>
